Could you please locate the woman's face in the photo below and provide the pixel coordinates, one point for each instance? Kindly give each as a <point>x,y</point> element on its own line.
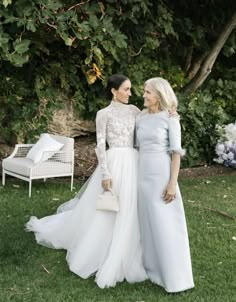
<point>123,93</point>
<point>151,100</point>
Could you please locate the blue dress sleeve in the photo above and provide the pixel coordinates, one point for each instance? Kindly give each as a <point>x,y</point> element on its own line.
<point>175,136</point>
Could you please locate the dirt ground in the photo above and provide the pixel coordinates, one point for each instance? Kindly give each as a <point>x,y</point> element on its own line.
<point>86,161</point>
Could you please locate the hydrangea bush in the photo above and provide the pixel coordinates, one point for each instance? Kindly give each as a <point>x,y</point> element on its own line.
<point>226,146</point>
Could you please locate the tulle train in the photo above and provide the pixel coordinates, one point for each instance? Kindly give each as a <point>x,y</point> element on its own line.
<point>99,242</point>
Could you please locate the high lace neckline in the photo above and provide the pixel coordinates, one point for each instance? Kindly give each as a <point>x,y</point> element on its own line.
<point>114,125</point>
<point>115,103</point>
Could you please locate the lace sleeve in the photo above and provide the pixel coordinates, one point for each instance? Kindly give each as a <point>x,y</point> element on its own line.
<point>101,123</point>
<point>136,112</point>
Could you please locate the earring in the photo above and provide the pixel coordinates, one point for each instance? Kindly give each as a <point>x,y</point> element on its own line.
<point>114,97</point>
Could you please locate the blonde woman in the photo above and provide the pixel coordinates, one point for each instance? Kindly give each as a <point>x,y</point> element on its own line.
<point>161,214</point>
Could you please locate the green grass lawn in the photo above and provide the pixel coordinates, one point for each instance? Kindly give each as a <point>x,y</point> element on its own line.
<point>22,262</point>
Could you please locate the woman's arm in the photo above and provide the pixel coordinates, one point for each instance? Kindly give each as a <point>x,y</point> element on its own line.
<point>170,191</point>
<point>101,125</point>
<point>176,152</point>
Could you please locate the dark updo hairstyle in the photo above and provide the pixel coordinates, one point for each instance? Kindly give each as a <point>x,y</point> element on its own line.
<point>114,81</point>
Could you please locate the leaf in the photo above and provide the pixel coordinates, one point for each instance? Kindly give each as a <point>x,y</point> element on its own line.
<point>3,41</point>
<point>114,54</point>
<point>53,5</point>
<point>120,40</point>
<point>68,41</point>
<point>98,53</point>
<point>18,59</point>
<point>91,76</point>
<point>9,19</point>
<point>6,2</point>
<point>84,28</point>
<point>93,21</point>
<point>88,60</point>
<point>97,71</point>
<point>30,26</point>
<point>21,46</point>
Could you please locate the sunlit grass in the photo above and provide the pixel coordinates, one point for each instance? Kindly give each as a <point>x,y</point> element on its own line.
<point>29,272</point>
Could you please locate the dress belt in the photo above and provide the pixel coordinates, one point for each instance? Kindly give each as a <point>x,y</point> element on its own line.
<point>120,147</point>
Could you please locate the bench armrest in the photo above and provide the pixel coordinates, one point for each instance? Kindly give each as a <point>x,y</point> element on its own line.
<point>20,150</point>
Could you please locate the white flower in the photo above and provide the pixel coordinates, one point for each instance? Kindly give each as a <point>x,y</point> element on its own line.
<point>219,160</point>
<point>228,144</point>
<point>230,132</point>
<point>230,155</point>
<point>220,149</point>
<point>225,156</point>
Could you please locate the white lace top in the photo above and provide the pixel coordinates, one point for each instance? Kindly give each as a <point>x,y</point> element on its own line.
<point>114,125</point>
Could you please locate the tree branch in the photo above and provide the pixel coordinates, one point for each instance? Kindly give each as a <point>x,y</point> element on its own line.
<point>51,25</point>
<point>137,53</point>
<point>210,59</point>
<point>188,58</point>
<point>194,67</point>
<point>78,4</point>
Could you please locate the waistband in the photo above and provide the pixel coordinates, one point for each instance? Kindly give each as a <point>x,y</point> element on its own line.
<point>121,148</point>
<point>143,151</point>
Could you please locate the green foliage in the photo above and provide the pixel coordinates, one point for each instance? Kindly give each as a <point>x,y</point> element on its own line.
<point>200,115</point>
<point>52,52</point>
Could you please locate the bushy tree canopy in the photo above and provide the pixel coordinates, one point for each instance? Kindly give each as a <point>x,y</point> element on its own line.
<point>54,50</point>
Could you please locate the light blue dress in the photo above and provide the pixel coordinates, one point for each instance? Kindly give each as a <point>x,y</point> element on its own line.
<point>166,253</point>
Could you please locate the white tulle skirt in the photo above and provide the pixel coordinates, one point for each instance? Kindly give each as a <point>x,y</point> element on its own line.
<point>99,242</point>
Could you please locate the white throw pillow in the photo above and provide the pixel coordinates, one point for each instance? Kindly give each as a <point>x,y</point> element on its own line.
<point>45,143</point>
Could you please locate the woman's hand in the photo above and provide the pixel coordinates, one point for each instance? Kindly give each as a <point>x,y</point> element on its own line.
<point>174,113</point>
<point>106,184</point>
<point>169,193</point>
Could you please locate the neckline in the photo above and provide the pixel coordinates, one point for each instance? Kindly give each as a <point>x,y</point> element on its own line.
<point>115,103</point>
<point>154,113</point>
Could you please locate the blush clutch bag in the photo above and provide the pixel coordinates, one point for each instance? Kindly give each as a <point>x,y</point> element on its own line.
<point>107,201</point>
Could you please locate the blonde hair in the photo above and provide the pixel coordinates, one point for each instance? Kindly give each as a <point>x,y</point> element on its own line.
<point>168,99</point>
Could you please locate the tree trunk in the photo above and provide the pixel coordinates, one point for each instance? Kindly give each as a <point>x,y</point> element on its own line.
<point>188,59</point>
<point>210,59</point>
<point>195,65</point>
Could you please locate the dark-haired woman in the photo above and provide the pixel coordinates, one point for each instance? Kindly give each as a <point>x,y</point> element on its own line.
<point>101,242</point>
